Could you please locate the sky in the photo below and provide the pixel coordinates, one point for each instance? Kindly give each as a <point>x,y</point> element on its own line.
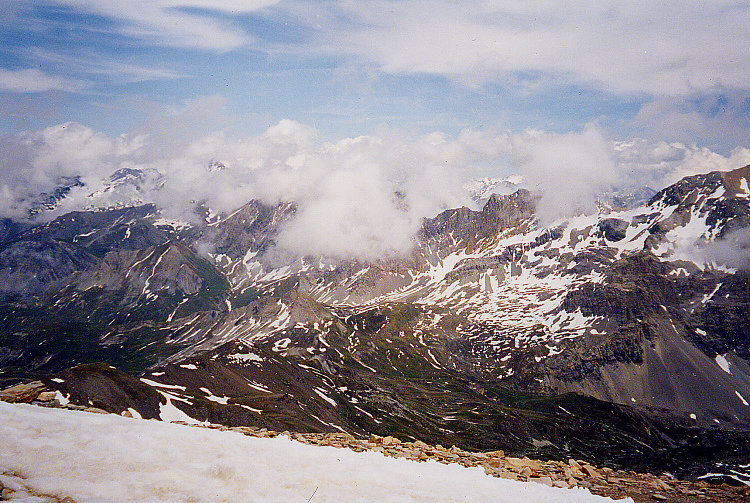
<point>340,104</point>
<point>674,70</point>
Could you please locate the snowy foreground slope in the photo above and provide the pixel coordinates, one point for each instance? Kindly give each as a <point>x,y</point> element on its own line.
<point>96,458</point>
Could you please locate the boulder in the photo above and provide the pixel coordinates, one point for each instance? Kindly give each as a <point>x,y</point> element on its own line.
<point>613,229</point>
<point>46,396</point>
<point>590,471</point>
<point>22,393</point>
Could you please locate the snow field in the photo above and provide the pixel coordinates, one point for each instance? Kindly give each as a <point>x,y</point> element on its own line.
<point>100,458</point>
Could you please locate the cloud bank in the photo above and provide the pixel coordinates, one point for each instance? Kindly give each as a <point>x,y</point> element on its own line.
<point>672,48</point>
<point>359,197</point>
<point>569,170</point>
<point>733,250</point>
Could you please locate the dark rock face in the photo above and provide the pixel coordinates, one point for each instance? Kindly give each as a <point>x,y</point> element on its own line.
<point>679,192</point>
<point>652,352</point>
<point>10,229</point>
<point>500,212</point>
<point>102,231</point>
<point>704,196</point>
<point>613,228</point>
<point>636,287</point>
<point>153,284</point>
<point>726,318</point>
<point>104,387</point>
<point>251,228</point>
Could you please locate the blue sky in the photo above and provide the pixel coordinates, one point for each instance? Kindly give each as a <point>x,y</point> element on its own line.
<point>674,70</point>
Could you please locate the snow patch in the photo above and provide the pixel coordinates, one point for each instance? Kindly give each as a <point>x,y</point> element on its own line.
<point>62,399</point>
<point>157,462</point>
<point>246,357</point>
<point>741,398</point>
<point>722,362</point>
<point>218,399</point>
<point>321,394</point>
<point>169,413</point>
<point>161,385</point>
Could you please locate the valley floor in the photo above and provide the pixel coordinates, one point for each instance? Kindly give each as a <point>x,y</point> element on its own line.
<point>48,455</point>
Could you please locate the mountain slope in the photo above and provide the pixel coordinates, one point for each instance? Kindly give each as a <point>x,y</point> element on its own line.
<point>473,338</point>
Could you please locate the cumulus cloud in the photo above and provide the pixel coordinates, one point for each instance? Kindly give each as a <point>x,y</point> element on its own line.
<point>359,197</point>
<point>569,170</point>
<point>717,119</point>
<point>657,164</point>
<point>733,250</point>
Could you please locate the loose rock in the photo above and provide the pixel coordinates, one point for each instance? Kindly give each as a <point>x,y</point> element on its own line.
<point>22,393</point>
<point>590,471</point>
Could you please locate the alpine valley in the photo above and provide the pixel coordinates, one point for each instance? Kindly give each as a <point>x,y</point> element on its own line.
<point>622,337</point>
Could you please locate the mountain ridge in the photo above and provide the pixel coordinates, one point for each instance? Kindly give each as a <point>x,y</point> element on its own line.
<point>625,308</point>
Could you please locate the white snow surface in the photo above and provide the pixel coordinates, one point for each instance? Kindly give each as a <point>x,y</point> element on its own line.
<point>722,362</point>
<point>101,458</point>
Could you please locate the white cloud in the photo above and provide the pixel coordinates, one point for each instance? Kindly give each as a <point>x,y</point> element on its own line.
<point>363,197</point>
<point>719,120</point>
<point>669,48</point>
<point>168,22</point>
<point>733,250</point>
<point>31,80</point>
<point>233,6</point>
<point>659,164</point>
<point>569,170</point>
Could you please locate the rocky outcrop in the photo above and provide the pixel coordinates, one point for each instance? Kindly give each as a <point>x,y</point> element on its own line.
<point>104,387</point>
<point>715,197</point>
<point>250,229</point>
<point>722,324</point>
<point>463,224</point>
<point>613,229</point>
<point>653,351</point>
<point>154,283</point>
<point>130,228</point>
<point>23,393</point>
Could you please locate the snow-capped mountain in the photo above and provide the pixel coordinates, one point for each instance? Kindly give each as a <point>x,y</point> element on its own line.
<point>48,201</point>
<point>476,337</point>
<point>481,189</point>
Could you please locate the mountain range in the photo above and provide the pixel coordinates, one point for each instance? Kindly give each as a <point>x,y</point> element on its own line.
<point>621,336</point>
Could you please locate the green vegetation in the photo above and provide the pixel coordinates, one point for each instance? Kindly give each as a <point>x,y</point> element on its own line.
<point>41,340</point>
<point>245,297</point>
